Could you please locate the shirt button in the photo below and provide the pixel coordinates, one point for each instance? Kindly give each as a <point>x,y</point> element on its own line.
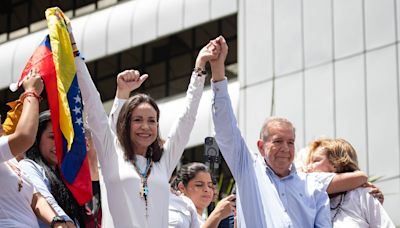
<point>283,194</point>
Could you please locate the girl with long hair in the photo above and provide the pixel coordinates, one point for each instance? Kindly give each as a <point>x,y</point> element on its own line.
<point>41,167</point>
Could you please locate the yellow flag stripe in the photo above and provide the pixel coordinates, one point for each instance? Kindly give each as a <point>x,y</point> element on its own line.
<point>63,59</point>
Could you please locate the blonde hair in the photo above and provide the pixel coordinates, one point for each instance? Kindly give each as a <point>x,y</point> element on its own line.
<point>339,152</point>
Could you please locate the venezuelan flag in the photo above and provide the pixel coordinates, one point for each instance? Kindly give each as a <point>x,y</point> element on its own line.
<point>55,61</point>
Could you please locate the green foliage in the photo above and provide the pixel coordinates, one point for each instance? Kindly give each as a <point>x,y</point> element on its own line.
<point>373,179</point>
<point>224,187</point>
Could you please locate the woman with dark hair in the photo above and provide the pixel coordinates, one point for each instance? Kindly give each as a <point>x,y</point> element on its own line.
<point>41,167</point>
<point>193,180</point>
<point>355,208</point>
<point>126,122</point>
<point>135,163</point>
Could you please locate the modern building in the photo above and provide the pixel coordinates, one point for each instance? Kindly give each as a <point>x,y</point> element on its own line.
<point>330,66</point>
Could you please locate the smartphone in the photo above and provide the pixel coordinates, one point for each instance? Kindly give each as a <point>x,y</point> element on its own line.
<point>211,150</point>
<point>211,153</point>
<point>211,147</point>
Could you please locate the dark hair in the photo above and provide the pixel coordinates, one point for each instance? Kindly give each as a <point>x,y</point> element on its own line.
<point>187,172</point>
<point>155,150</point>
<point>58,189</point>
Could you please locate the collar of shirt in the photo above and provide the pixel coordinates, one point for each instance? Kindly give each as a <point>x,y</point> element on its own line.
<point>271,172</point>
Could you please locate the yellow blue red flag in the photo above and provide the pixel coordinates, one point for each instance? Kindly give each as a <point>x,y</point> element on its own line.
<point>54,59</point>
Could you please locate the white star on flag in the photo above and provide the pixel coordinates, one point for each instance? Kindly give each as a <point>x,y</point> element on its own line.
<point>77,99</point>
<point>77,110</point>
<point>79,121</point>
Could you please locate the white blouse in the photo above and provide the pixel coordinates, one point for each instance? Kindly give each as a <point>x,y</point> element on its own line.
<point>122,183</point>
<point>182,212</point>
<point>358,209</point>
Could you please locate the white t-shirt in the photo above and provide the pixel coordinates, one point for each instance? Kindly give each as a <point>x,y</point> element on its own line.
<point>15,206</point>
<point>182,212</point>
<point>122,183</point>
<point>201,220</point>
<point>359,210</point>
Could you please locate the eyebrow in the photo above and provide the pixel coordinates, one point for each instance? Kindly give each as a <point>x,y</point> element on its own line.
<point>150,117</point>
<point>203,182</point>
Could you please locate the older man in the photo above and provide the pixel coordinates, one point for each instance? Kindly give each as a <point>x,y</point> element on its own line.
<point>270,191</point>
<point>303,195</point>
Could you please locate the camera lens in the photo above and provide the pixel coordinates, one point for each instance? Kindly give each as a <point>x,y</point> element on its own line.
<point>212,152</point>
<point>209,141</point>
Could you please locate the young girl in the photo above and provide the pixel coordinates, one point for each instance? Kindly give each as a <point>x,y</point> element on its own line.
<point>193,180</point>
<point>41,167</point>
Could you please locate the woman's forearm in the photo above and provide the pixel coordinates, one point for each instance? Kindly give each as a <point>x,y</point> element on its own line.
<point>42,209</point>
<point>347,181</point>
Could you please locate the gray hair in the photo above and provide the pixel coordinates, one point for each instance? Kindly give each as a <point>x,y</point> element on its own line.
<point>273,120</point>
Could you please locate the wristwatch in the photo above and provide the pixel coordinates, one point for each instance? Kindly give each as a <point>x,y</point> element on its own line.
<point>57,219</point>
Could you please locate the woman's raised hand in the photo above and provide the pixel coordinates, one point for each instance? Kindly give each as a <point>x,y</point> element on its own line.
<point>33,82</point>
<point>127,81</point>
<point>207,53</point>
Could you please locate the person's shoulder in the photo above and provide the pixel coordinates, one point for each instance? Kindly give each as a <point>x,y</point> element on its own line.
<point>175,201</point>
<point>180,204</point>
<point>303,176</point>
<point>359,197</point>
<point>320,177</point>
<point>360,192</point>
<point>189,203</point>
<point>179,200</point>
<point>319,180</point>
<point>27,163</point>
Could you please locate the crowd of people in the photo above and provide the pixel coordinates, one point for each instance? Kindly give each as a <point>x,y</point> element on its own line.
<point>131,179</point>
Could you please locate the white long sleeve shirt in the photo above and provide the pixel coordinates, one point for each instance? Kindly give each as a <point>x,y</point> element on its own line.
<point>263,199</point>
<point>125,206</point>
<point>258,202</point>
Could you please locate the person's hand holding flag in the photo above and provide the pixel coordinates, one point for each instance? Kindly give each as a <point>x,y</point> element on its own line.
<point>54,58</point>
